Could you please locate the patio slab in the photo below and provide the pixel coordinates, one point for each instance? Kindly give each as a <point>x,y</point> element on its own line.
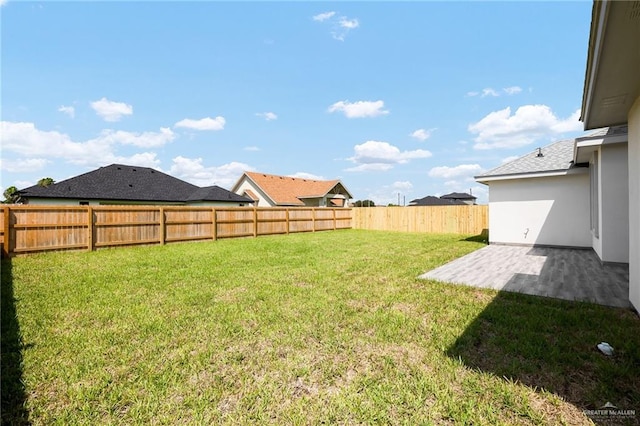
<point>571,274</point>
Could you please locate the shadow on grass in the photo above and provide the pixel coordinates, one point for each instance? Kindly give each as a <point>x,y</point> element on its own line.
<point>483,237</point>
<point>12,387</point>
<point>551,344</point>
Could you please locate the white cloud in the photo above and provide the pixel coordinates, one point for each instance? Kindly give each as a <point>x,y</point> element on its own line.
<point>500,129</point>
<point>359,109</point>
<point>69,110</point>
<point>142,140</point>
<point>372,167</point>
<point>251,148</point>
<point>422,134</point>
<point>402,185</point>
<point>24,165</point>
<point>110,110</point>
<point>348,23</point>
<point>513,90</point>
<point>3,2</point>
<point>32,143</point>
<point>445,172</point>
<point>324,16</point>
<point>304,175</point>
<point>489,92</point>
<point>26,140</point>
<point>267,115</point>
<point>192,170</point>
<point>206,123</point>
<point>143,159</point>
<point>381,156</point>
<point>340,25</point>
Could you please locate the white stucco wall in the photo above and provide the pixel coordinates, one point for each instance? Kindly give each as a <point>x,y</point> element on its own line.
<point>544,210</point>
<point>246,184</point>
<point>76,202</point>
<point>634,203</point>
<point>70,202</point>
<point>612,244</point>
<point>57,202</point>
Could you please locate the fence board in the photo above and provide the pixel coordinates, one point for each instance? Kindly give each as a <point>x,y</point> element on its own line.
<point>470,220</point>
<point>29,229</point>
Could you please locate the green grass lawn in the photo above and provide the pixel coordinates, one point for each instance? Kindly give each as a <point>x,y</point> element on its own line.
<point>330,327</point>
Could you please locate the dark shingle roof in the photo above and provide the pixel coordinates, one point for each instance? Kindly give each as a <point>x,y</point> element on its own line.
<point>435,201</point>
<point>215,193</point>
<point>459,196</point>
<point>127,183</point>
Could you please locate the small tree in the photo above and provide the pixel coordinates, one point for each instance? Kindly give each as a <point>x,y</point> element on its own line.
<point>364,203</point>
<point>11,196</point>
<point>46,181</point>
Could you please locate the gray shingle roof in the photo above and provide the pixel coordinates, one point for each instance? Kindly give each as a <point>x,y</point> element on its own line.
<point>119,182</point>
<point>430,200</point>
<point>555,157</point>
<point>215,193</point>
<point>459,196</point>
<point>609,131</point>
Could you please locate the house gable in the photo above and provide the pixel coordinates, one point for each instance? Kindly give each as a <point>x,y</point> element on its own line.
<point>288,191</point>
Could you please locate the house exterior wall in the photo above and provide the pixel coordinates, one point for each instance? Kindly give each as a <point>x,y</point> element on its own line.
<point>246,184</point>
<point>612,242</point>
<point>550,210</point>
<point>217,204</point>
<point>76,202</point>
<point>634,203</point>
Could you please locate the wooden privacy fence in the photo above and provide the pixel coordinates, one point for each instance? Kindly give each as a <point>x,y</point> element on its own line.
<point>29,229</point>
<point>470,220</point>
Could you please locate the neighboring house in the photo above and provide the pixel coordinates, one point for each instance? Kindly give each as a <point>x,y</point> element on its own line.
<point>120,184</point>
<point>585,192</point>
<point>430,200</point>
<point>611,97</point>
<point>543,198</point>
<point>461,196</point>
<point>272,190</point>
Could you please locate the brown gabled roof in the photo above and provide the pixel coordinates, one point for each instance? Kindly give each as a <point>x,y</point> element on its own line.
<point>288,191</point>
<point>249,193</point>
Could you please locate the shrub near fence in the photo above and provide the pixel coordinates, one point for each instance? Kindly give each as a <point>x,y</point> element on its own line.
<point>27,229</point>
<point>469,220</point>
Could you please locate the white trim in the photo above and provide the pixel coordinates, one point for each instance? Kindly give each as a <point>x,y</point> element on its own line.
<point>597,48</point>
<point>530,175</point>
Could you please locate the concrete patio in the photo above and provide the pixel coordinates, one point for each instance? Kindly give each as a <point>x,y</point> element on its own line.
<point>571,274</point>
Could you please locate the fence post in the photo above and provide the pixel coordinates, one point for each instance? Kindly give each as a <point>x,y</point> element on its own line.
<point>334,219</point>
<point>6,229</point>
<point>90,229</point>
<point>287,218</point>
<point>214,224</point>
<point>163,227</point>
<point>313,219</point>
<point>255,222</point>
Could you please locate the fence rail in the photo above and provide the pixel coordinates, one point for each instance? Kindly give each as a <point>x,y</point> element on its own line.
<point>27,229</point>
<point>470,220</point>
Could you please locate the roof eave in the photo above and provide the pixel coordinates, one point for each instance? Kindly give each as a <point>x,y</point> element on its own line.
<point>547,173</point>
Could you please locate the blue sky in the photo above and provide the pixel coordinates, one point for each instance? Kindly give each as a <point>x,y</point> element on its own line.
<point>398,100</point>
